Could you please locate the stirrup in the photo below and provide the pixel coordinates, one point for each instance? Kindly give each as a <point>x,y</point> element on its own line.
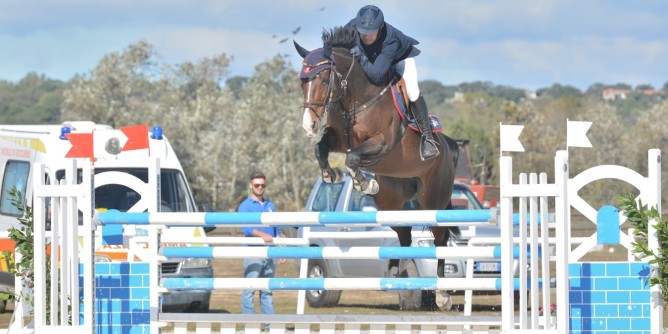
<point>433,143</point>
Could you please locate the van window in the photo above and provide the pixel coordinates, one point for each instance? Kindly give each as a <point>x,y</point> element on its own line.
<point>16,175</point>
<point>174,192</point>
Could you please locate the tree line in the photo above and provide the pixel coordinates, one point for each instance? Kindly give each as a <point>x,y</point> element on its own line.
<point>224,127</point>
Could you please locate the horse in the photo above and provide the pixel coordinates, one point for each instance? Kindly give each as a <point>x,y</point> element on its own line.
<point>346,113</point>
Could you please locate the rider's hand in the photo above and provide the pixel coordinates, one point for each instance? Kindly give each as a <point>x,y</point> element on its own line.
<point>356,51</point>
<point>363,60</point>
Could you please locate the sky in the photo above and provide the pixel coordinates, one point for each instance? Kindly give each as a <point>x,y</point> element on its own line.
<point>527,44</point>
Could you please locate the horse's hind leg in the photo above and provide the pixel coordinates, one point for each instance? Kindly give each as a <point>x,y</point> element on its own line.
<point>329,174</point>
<point>392,197</point>
<point>434,193</point>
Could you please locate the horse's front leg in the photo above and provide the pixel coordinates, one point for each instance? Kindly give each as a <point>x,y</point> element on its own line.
<point>361,183</point>
<point>329,174</point>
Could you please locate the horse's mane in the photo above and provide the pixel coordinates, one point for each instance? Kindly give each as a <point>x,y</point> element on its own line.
<point>340,37</point>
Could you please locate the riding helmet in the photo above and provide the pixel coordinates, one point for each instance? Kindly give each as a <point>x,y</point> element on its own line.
<point>369,20</point>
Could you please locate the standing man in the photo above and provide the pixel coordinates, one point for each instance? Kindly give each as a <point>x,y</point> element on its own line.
<point>258,268</point>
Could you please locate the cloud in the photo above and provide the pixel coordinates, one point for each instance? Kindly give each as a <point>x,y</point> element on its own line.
<point>59,54</point>
<point>192,44</point>
<point>248,49</point>
<point>515,42</point>
<point>579,61</point>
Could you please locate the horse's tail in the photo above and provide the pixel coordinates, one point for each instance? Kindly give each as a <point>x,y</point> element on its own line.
<point>454,149</point>
<point>453,146</point>
<point>455,232</point>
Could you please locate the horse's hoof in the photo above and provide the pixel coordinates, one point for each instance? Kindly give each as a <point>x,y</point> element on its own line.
<point>338,176</point>
<point>326,177</point>
<point>333,175</point>
<point>372,187</point>
<point>443,301</point>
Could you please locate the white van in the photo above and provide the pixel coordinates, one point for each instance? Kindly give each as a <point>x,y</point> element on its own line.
<point>121,183</point>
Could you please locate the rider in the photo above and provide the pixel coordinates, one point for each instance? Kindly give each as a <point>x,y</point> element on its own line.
<point>379,46</point>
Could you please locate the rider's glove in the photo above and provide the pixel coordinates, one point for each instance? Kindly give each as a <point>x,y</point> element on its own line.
<point>363,60</point>
<point>356,51</point>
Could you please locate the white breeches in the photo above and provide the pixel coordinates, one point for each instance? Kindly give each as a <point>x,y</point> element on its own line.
<point>407,69</point>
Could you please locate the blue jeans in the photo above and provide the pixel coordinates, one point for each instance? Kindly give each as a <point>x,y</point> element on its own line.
<point>258,268</point>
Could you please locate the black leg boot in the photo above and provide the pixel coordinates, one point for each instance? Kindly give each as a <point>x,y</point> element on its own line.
<point>429,145</point>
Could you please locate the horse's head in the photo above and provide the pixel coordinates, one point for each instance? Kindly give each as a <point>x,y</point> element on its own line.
<point>320,78</point>
<point>317,81</point>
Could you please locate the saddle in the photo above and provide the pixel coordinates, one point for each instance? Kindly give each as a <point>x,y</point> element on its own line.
<point>400,98</point>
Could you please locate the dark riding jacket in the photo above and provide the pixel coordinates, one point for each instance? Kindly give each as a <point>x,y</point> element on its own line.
<point>391,47</point>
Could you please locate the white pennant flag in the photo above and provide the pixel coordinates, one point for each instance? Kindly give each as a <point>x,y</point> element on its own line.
<point>510,138</point>
<point>576,134</point>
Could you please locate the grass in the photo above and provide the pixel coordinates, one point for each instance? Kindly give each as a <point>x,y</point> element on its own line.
<point>352,302</point>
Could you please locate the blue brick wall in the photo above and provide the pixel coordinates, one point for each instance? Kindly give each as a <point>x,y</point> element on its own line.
<point>121,298</point>
<point>606,297</point>
<point>609,297</point>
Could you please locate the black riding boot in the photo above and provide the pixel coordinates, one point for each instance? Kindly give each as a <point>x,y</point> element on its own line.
<point>429,145</point>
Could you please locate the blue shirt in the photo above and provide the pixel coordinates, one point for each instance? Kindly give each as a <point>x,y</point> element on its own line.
<point>251,205</point>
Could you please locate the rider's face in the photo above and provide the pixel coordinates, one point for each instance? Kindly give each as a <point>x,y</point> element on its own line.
<point>369,39</point>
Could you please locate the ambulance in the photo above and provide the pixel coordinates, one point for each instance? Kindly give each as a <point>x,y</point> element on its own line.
<point>121,179</point>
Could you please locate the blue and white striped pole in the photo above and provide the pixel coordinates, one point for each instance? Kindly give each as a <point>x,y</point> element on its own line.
<point>278,219</point>
<point>330,253</point>
<point>376,284</point>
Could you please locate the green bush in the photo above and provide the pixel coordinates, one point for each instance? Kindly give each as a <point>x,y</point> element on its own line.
<point>639,218</point>
<point>25,245</point>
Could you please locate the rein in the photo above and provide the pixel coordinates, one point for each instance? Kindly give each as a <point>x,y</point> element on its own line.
<point>348,115</point>
<point>344,86</point>
<point>372,101</point>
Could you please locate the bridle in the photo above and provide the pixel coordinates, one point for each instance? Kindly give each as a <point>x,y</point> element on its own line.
<point>331,98</point>
<point>343,83</point>
<point>334,77</point>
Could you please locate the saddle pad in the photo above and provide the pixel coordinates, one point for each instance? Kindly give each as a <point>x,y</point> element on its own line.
<point>402,109</point>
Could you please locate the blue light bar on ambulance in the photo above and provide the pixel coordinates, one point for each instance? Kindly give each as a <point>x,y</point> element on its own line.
<point>156,133</point>
<point>64,130</point>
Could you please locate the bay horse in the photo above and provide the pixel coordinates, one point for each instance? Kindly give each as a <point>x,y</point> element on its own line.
<point>348,114</point>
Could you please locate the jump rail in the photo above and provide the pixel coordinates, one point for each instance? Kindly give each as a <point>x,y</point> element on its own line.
<point>529,195</point>
<point>280,219</point>
<point>374,284</point>
<point>478,252</point>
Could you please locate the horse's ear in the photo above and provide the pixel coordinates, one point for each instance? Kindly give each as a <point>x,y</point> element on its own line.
<point>302,52</point>
<point>327,50</point>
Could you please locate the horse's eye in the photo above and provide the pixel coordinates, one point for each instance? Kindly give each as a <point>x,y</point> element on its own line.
<point>325,80</point>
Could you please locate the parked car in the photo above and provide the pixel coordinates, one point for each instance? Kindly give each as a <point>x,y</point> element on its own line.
<point>343,197</point>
